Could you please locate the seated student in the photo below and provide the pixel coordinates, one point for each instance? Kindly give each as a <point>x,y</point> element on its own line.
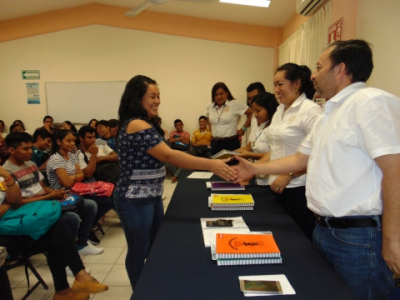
<point>25,172</point>
<point>20,123</point>
<point>88,157</point>
<point>201,139</point>
<point>68,125</point>
<point>63,171</point>
<point>114,126</point>
<point>103,130</point>
<point>56,242</point>
<point>179,140</point>
<point>48,123</point>
<point>92,123</point>
<point>17,128</point>
<point>41,143</point>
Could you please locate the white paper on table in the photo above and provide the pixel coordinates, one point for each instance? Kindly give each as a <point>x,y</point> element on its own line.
<point>209,232</point>
<point>200,175</point>
<point>287,288</point>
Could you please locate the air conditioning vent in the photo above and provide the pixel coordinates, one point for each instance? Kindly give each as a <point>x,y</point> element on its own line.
<point>308,7</point>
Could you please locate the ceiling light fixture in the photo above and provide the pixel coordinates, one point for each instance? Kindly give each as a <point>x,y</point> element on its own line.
<point>259,3</point>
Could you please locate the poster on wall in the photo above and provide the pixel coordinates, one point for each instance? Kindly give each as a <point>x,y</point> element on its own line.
<point>32,91</point>
<point>335,31</point>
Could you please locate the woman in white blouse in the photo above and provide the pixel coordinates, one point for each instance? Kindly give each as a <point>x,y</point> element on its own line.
<point>223,115</point>
<point>291,123</point>
<point>264,106</point>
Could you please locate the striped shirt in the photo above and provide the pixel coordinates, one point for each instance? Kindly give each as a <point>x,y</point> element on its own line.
<point>56,161</point>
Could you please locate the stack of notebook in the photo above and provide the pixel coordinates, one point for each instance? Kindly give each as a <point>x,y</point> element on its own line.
<point>245,249</point>
<point>231,202</point>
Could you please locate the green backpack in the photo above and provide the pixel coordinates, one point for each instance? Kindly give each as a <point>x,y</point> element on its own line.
<point>33,219</point>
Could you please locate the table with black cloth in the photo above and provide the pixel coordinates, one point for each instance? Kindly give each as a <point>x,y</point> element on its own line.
<point>179,266</point>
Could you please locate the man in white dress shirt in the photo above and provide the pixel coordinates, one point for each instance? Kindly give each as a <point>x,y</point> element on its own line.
<point>352,157</point>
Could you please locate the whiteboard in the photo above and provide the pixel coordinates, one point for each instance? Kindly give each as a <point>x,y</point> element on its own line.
<point>79,102</point>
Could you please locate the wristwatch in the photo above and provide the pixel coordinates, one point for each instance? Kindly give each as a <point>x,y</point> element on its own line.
<point>292,175</point>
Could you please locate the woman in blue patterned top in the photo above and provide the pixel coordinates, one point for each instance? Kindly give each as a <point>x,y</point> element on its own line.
<point>142,153</point>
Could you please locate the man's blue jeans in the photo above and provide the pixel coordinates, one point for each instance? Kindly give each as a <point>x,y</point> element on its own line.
<point>78,229</point>
<point>355,254</point>
<point>140,219</point>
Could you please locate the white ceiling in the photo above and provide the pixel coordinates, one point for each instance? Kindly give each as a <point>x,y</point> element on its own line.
<point>276,15</point>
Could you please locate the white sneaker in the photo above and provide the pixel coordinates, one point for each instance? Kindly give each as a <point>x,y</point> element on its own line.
<point>90,250</point>
<point>70,274</point>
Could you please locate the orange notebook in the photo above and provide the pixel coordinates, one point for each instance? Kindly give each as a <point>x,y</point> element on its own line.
<point>230,246</point>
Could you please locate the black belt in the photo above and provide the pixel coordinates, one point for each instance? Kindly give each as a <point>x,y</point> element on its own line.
<point>226,138</point>
<point>344,222</point>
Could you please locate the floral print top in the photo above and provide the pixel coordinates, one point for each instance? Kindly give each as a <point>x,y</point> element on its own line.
<point>142,175</point>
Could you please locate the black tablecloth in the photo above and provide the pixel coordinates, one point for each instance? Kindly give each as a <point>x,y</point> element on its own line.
<point>180,267</point>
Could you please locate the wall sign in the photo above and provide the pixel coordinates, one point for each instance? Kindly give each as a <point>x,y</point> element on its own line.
<point>335,31</point>
<point>30,74</point>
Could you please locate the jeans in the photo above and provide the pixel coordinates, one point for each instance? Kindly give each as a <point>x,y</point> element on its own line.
<point>75,227</point>
<point>355,254</point>
<point>140,219</point>
<point>104,204</point>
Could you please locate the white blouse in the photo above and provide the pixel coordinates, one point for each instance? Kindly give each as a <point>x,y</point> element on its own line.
<point>224,120</point>
<point>288,129</point>
<point>259,144</point>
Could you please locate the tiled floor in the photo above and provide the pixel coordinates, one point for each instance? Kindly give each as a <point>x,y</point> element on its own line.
<point>108,267</point>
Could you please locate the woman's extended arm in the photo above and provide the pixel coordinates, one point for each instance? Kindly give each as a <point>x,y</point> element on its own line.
<point>182,160</point>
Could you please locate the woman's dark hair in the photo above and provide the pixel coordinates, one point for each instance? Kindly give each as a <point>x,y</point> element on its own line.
<point>295,72</point>
<point>220,85</point>
<point>19,122</point>
<point>59,135</point>
<point>2,123</point>
<point>131,102</point>
<point>203,117</point>
<point>13,126</point>
<point>73,128</point>
<point>267,101</point>
<point>92,121</point>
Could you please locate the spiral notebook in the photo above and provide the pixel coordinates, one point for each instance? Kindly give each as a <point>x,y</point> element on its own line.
<point>224,186</point>
<point>238,225</point>
<point>246,246</point>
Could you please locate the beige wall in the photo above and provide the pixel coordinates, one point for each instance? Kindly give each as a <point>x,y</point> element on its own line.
<point>185,55</point>
<point>185,68</point>
<point>378,23</point>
